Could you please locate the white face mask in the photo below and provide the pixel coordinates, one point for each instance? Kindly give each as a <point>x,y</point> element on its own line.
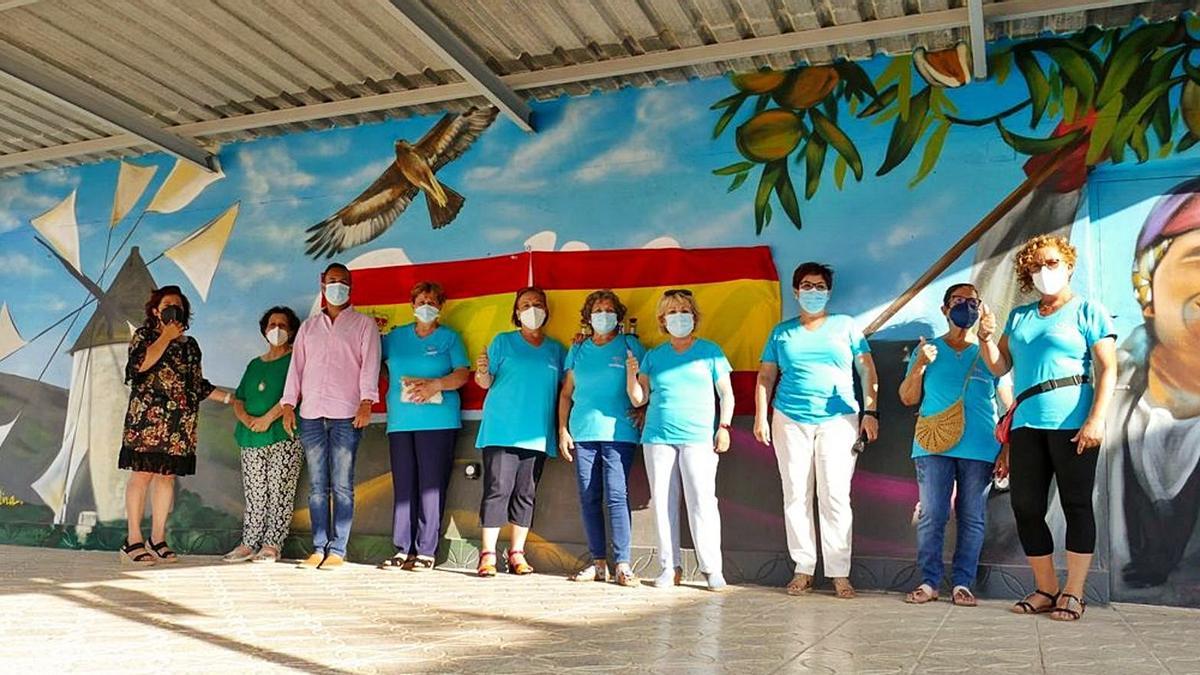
<point>1050,281</point>
<point>680,325</point>
<point>532,317</point>
<point>337,293</point>
<point>277,336</point>
<point>604,322</point>
<point>426,313</point>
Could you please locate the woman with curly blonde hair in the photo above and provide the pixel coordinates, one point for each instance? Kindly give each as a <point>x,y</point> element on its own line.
<point>1057,422</point>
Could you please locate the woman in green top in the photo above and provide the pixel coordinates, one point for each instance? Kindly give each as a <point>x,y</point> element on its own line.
<point>270,458</point>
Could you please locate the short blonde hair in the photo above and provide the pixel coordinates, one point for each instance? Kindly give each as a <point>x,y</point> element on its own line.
<point>675,299</point>
<point>1025,257</point>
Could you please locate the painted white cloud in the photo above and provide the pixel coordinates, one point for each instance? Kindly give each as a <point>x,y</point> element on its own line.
<point>271,171</point>
<point>19,202</point>
<point>526,167</point>
<point>501,234</point>
<point>918,222</point>
<point>57,178</point>
<point>17,265</point>
<point>359,180</point>
<point>245,275</point>
<point>647,150</point>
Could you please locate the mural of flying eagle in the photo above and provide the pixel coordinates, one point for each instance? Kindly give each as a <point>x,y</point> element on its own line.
<point>373,212</point>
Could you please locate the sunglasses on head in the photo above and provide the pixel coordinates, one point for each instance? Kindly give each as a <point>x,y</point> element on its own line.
<point>679,291</point>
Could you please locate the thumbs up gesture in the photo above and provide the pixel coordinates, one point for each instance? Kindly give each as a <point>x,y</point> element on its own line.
<point>987,322</point>
<point>631,362</point>
<point>926,353</point>
<point>481,363</point>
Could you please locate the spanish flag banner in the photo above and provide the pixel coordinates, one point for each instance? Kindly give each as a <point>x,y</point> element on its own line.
<point>736,289</point>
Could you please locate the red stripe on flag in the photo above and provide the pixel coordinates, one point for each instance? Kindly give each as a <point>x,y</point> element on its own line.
<point>460,279</point>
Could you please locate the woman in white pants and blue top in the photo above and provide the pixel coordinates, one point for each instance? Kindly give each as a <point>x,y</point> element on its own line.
<point>816,424</point>
<point>684,437</point>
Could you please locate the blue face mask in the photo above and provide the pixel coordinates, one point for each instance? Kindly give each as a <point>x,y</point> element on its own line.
<point>680,325</point>
<point>337,293</point>
<point>604,322</point>
<point>813,301</point>
<point>964,315</point>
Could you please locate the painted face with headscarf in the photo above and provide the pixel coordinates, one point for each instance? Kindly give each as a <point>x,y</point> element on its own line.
<point>1166,272</point>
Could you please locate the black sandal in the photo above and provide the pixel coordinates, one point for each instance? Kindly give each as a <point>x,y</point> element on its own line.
<point>136,554</point>
<point>162,551</point>
<point>395,562</point>
<point>1068,613</point>
<point>1026,607</point>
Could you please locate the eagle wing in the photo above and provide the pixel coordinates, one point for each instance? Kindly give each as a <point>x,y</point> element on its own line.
<point>364,218</point>
<point>453,134</point>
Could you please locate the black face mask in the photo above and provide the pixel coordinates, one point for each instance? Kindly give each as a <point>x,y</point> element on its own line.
<point>172,314</point>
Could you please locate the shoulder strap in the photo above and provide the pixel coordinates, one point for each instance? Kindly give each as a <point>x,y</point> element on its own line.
<point>970,369</point>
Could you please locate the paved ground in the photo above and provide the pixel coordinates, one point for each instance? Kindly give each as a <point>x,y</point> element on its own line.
<point>81,611</point>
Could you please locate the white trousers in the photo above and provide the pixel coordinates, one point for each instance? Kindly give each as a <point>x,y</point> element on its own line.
<point>820,456</point>
<point>692,470</point>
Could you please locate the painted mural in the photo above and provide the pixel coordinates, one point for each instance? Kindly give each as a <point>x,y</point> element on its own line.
<point>1078,134</point>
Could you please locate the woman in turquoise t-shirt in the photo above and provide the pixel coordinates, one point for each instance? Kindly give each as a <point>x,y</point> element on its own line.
<point>425,364</point>
<point>595,431</point>
<point>270,457</point>
<point>942,373</point>
<point>682,380</point>
<point>1054,344</point>
<point>521,370</point>
<point>816,424</point>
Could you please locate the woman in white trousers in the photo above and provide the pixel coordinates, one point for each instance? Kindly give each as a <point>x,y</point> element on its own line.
<point>682,380</point>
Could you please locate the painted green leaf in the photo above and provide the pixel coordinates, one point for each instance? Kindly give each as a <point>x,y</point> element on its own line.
<point>763,101</point>
<point>736,167</point>
<point>787,195</point>
<point>1000,66</point>
<point>1077,70</point>
<point>1165,150</point>
<point>933,150</point>
<point>814,164</point>
<point>892,72</point>
<point>944,104</point>
<point>1106,123</point>
<point>766,184</point>
<point>905,133</point>
<point>886,116</point>
<point>728,101</point>
<point>1127,54</point>
<point>883,100</point>
<point>904,90</point>
<point>1186,142</point>
<point>1139,144</point>
<point>1035,80</point>
<point>834,136</point>
<point>727,117</point>
<point>1162,120</point>
<point>738,180</point>
<point>839,172</point>
<point>858,83</point>
<point>1037,146</point>
<point>1133,116</point>
<point>1070,98</point>
<point>1192,71</point>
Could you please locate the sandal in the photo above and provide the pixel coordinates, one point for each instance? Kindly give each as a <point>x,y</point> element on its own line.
<point>800,584</point>
<point>520,568</point>
<point>625,575</point>
<point>395,562</point>
<point>266,555</point>
<point>1068,612</point>
<point>240,554</point>
<point>162,551</point>
<point>136,554</point>
<point>923,594</point>
<point>963,597</point>
<point>842,588</point>
<point>1024,606</point>
<point>489,569</point>
<point>597,571</point>
<point>420,563</point>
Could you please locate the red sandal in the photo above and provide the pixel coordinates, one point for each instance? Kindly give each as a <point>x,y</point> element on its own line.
<point>486,570</point>
<point>519,568</point>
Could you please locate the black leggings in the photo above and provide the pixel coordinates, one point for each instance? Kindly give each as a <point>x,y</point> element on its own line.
<point>1036,456</point>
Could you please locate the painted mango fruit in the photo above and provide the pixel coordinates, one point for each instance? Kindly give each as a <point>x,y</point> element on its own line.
<point>948,68</point>
<point>1189,106</point>
<point>806,87</point>
<point>761,82</point>
<point>770,135</point>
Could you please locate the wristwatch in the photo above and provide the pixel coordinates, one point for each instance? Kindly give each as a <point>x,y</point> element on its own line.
<point>871,413</point>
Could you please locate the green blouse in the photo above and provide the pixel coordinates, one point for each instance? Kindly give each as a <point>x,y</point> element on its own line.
<point>260,389</point>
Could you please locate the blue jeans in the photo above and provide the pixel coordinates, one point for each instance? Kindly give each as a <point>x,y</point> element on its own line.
<point>602,468</point>
<point>329,449</point>
<point>936,477</point>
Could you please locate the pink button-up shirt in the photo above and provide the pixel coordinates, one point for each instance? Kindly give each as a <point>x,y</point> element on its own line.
<point>335,365</point>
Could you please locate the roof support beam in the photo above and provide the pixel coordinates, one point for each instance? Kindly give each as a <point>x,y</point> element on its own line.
<point>978,38</point>
<point>108,109</point>
<point>438,37</point>
<point>869,30</point>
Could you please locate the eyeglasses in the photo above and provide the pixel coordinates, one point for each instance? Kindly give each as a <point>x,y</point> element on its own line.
<point>679,291</point>
<point>1037,267</point>
<point>807,286</point>
<point>973,303</point>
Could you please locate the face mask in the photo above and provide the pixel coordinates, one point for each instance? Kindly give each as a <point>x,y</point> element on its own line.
<point>814,301</point>
<point>532,317</point>
<point>337,293</point>
<point>680,325</point>
<point>964,315</point>
<point>604,322</point>
<point>1050,281</point>
<point>171,314</point>
<point>277,336</point>
<point>426,313</point>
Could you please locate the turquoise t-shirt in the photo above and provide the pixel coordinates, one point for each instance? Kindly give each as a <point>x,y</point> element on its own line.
<point>600,404</point>
<point>1049,347</point>
<point>943,384</point>
<point>683,398</point>
<point>816,368</point>
<point>521,407</point>
<point>435,355</point>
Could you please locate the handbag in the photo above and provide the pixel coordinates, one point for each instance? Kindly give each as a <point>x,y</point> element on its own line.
<point>943,430</point>
<point>1004,426</point>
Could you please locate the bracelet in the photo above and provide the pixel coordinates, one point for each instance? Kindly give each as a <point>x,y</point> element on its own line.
<point>227,398</point>
<point>724,426</point>
<point>871,413</point>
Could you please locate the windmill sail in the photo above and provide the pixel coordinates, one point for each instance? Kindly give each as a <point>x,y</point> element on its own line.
<point>54,485</point>
<point>10,339</point>
<point>199,254</point>
<point>131,183</point>
<point>6,428</point>
<point>58,227</point>
<point>185,182</point>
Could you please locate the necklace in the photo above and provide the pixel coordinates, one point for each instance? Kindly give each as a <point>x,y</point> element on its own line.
<point>262,385</point>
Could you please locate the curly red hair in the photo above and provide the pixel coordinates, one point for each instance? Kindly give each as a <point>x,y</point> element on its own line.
<point>1026,257</point>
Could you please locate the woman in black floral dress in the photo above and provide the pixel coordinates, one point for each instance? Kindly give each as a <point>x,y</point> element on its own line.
<point>159,440</point>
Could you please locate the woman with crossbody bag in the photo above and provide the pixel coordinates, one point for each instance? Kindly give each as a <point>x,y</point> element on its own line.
<point>1056,425</point>
<point>954,445</point>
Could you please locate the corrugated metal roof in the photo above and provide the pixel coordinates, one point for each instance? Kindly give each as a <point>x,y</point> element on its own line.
<point>207,60</point>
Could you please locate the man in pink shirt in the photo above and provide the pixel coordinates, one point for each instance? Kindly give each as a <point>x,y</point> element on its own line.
<point>334,376</point>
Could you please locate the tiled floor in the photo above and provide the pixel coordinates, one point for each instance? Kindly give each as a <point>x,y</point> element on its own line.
<point>81,611</point>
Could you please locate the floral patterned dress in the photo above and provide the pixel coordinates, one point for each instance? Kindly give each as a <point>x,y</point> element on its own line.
<point>160,425</point>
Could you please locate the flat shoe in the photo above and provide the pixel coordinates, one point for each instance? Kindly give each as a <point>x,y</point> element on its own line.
<point>265,557</point>
<point>235,557</point>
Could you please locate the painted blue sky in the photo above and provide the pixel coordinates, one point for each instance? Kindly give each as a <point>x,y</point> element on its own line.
<point>612,171</point>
